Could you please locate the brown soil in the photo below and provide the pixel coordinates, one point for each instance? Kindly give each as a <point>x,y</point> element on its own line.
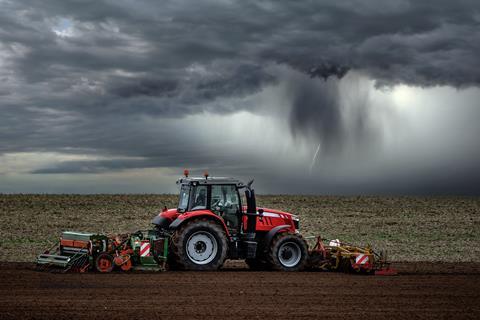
<point>421,290</point>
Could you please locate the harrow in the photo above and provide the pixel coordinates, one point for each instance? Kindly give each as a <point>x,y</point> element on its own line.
<point>345,257</point>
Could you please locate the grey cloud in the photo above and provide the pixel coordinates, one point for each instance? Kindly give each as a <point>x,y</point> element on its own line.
<point>127,88</point>
<point>326,70</point>
<point>333,112</point>
<point>177,34</point>
<point>316,107</point>
<point>424,43</point>
<point>99,166</point>
<point>87,90</point>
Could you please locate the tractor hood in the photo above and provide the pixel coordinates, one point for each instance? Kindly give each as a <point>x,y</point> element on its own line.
<point>273,213</point>
<point>276,218</point>
<point>276,213</point>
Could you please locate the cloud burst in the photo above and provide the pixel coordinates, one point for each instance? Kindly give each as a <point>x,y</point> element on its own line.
<point>82,77</point>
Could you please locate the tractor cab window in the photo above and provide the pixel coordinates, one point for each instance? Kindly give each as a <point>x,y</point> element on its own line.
<point>184,195</point>
<point>225,203</point>
<point>200,198</point>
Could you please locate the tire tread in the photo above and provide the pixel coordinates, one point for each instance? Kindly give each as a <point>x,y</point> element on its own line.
<point>274,246</point>
<point>179,259</point>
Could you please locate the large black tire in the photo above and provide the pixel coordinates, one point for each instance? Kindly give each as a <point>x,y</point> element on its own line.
<point>288,252</point>
<point>257,264</point>
<point>199,245</point>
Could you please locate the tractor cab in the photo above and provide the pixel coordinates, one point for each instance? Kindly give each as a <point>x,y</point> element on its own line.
<point>220,196</point>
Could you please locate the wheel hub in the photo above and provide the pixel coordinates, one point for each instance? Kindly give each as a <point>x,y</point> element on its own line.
<point>289,254</point>
<point>201,247</point>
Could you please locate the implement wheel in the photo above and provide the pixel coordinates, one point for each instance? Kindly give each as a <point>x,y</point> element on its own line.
<point>199,245</point>
<point>288,252</point>
<point>104,262</point>
<point>127,265</point>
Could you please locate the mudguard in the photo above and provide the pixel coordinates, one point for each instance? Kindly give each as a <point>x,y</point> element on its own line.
<point>176,223</point>
<point>161,222</point>
<point>268,238</point>
<point>198,214</point>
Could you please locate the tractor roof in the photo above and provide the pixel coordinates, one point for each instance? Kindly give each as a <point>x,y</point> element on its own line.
<point>210,181</point>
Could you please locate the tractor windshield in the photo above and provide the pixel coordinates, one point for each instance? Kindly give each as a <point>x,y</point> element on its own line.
<point>184,195</point>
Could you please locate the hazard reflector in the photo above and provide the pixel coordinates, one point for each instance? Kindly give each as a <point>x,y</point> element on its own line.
<point>361,259</point>
<point>145,249</point>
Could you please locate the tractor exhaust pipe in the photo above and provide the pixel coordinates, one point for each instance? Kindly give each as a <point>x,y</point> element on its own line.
<point>251,213</point>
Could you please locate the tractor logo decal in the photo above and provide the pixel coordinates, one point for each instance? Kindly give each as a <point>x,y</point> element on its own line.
<point>145,249</point>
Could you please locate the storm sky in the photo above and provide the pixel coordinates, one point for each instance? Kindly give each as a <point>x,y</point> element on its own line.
<point>307,97</point>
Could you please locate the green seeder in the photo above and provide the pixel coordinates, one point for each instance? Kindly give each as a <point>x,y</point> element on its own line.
<point>80,252</point>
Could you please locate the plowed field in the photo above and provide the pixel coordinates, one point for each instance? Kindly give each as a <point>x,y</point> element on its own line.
<point>422,290</point>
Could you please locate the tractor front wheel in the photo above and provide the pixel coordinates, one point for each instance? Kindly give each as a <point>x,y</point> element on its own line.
<point>199,245</point>
<point>288,252</point>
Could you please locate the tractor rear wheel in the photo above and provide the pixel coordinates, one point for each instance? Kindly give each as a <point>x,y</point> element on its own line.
<point>288,252</point>
<point>199,245</point>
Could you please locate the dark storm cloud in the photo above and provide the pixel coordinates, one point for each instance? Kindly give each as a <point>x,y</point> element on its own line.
<point>98,166</point>
<point>376,36</point>
<point>316,107</point>
<point>78,75</point>
<point>235,81</point>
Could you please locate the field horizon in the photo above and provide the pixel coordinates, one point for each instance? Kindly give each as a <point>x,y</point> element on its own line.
<point>410,228</point>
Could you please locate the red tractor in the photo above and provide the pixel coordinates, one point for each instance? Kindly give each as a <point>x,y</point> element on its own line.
<point>214,222</point>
